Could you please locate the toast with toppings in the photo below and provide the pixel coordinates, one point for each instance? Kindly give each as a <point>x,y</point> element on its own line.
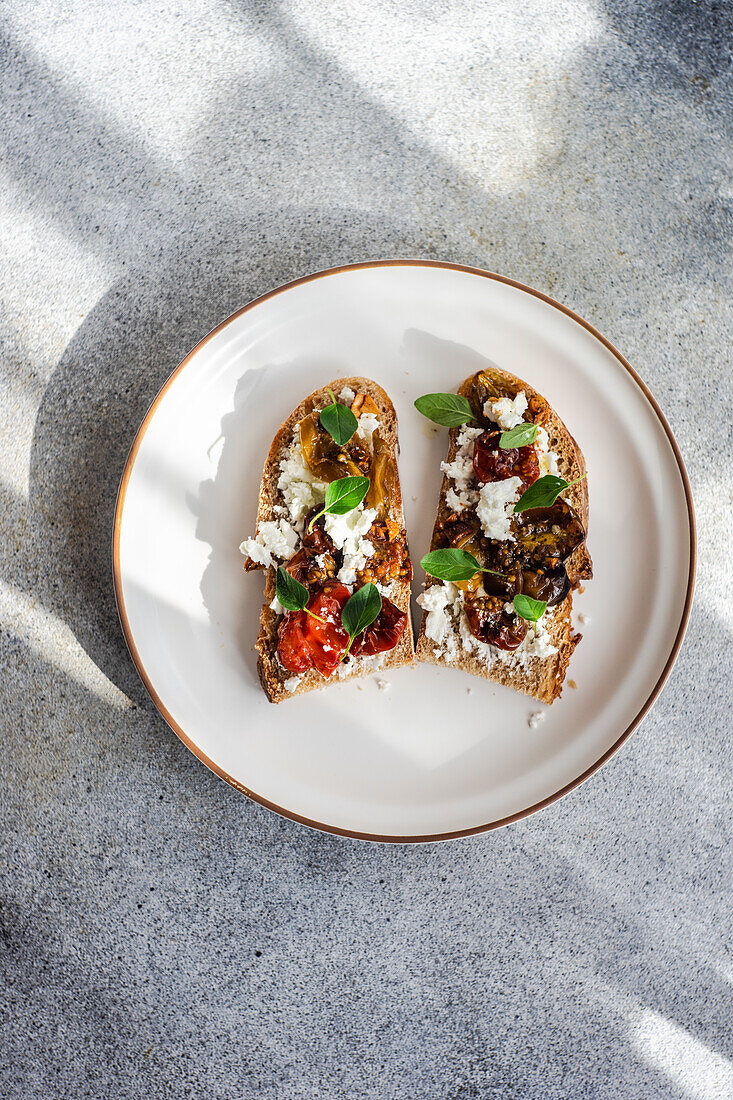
<point>332,556</point>
<point>540,552</point>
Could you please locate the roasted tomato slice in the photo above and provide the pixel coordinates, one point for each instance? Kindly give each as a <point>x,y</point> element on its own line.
<point>492,463</point>
<point>293,650</point>
<point>384,633</point>
<point>549,534</point>
<point>547,583</point>
<point>303,565</point>
<point>490,623</point>
<point>305,643</point>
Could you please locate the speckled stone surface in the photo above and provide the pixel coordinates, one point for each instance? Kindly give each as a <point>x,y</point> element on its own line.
<point>161,165</point>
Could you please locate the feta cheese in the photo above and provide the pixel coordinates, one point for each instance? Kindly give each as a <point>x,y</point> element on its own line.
<point>436,600</point>
<point>494,508</point>
<point>277,607</point>
<point>534,719</point>
<point>507,412</point>
<point>347,395</point>
<point>292,682</point>
<point>348,534</point>
<point>275,540</point>
<point>537,643</point>
<point>368,423</point>
<point>460,471</point>
<point>453,501</point>
<point>300,488</point>
<point>547,458</point>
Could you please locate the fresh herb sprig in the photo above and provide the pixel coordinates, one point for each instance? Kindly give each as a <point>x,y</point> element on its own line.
<point>529,609</point>
<point>520,436</point>
<point>453,565</point>
<point>360,611</point>
<point>339,421</point>
<point>544,492</point>
<point>292,594</point>
<point>447,409</point>
<point>342,496</point>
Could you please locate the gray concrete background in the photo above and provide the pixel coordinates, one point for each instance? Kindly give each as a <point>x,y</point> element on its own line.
<point>162,164</point>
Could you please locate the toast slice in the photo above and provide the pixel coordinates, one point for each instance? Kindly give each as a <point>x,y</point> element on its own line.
<point>539,666</point>
<point>277,682</point>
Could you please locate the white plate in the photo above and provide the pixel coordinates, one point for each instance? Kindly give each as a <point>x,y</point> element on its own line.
<point>439,754</point>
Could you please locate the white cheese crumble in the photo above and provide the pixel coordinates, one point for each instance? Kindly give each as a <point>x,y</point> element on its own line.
<point>301,490</point>
<point>368,423</point>
<point>346,396</point>
<point>547,458</point>
<point>460,471</point>
<point>435,601</point>
<point>507,412</point>
<point>348,534</point>
<point>292,682</point>
<point>275,540</point>
<point>494,508</point>
<point>277,607</point>
<point>534,719</point>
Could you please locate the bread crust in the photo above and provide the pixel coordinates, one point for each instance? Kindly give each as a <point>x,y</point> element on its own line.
<point>272,675</point>
<point>543,677</point>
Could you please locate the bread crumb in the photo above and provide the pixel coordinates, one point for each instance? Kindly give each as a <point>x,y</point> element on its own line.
<point>583,618</point>
<point>581,588</point>
<point>469,691</point>
<point>534,719</point>
<point>382,684</point>
<point>573,685</point>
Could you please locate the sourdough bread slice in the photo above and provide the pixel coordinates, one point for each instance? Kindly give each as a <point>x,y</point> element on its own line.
<point>273,676</point>
<point>539,676</point>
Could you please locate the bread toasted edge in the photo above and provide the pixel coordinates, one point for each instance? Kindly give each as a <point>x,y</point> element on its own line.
<point>272,675</point>
<point>543,677</point>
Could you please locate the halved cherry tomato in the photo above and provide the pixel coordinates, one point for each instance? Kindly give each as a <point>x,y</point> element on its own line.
<point>305,643</point>
<point>384,633</point>
<point>490,623</point>
<point>492,463</point>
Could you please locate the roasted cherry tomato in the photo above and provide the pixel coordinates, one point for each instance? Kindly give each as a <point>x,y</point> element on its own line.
<point>549,535</point>
<point>303,565</point>
<point>305,643</point>
<point>492,463</point>
<point>550,584</point>
<point>384,633</point>
<point>490,623</point>
<point>293,651</point>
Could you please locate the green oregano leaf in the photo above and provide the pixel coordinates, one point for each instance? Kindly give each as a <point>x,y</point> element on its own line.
<point>529,609</point>
<point>453,565</point>
<point>292,594</point>
<point>520,436</point>
<point>343,496</point>
<point>339,421</point>
<point>448,409</point>
<point>544,492</point>
<point>360,611</point>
